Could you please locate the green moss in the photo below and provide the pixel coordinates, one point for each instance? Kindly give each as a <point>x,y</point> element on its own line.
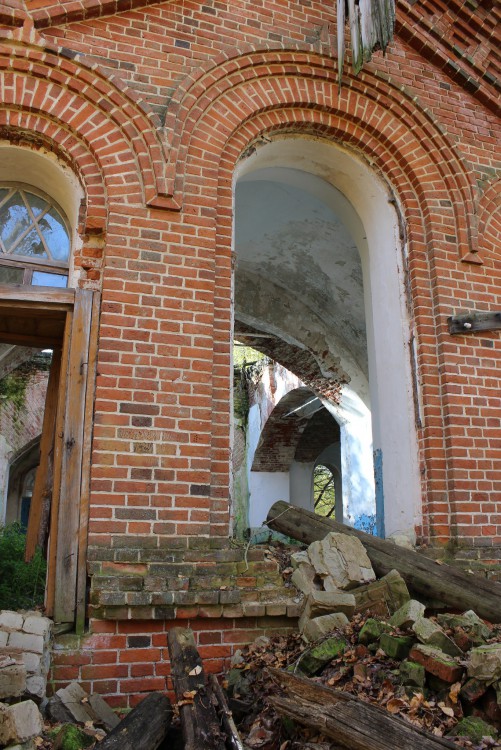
<point>474,728</point>
<point>71,737</point>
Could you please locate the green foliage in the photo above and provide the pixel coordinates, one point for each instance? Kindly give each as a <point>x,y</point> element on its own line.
<point>323,491</point>
<point>247,367</point>
<point>13,386</point>
<point>22,585</point>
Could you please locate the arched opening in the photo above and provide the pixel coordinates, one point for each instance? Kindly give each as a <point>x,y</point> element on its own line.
<point>41,312</point>
<point>319,288</point>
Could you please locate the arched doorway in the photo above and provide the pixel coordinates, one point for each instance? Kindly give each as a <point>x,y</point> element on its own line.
<point>319,286</point>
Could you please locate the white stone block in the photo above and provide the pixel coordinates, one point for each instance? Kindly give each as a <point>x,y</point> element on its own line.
<point>32,662</point>
<point>36,685</point>
<point>4,636</point>
<point>19,722</point>
<point>37,625</point>
<point>10,621</point>
<point>27,642</point>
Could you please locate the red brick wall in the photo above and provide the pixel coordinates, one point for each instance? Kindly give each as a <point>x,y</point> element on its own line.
<point>152,107</point>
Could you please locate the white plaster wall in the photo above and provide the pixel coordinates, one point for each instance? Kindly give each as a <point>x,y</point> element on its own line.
<point>301,484</point>
<point>367,207</point>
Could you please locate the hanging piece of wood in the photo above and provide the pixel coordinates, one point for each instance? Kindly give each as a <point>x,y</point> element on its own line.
<point>352,723</point>
<point>144,728</point>
<point>199,720</point>
<point>425,577</point>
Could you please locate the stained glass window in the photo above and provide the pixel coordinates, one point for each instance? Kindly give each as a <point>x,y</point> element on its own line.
<point>34,238</point>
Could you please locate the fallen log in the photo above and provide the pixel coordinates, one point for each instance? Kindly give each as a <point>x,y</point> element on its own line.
<point>234,741</point>
<point>199,720</point>
<point>144,728</point>
<point>425,577</point>
<point>352,723</point>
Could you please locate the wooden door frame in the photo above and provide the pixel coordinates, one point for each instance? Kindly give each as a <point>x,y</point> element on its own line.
<point>68,318</point>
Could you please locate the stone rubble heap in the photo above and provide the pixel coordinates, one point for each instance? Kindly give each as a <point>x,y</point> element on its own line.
<point>25,648</point>
<point>435,653</point>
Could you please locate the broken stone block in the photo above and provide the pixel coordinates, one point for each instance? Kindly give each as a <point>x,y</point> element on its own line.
<point>312,661</point>
<point>396,646</point>
<point>343,559</point>
<point>325,603</point>
<point>104,715</point>
<point>372,631</point>
<point>406,616</point>
<point>35,686</point>
<point>412,674</point>
<point>299,557</point>
<point>320,626</point>
<point>19,722</point>
<point>474,728</point>
<point>303,578</point>
<point>383,597</point>
<point>485,663</point>
<point>437,663</point>
<point>72,697</point>
<point>12,678</point>
<point>477,631</point>
<point>472,690</point>
<point>430,633</point>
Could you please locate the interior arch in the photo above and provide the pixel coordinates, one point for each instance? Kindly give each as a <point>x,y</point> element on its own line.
<point>320,268</point>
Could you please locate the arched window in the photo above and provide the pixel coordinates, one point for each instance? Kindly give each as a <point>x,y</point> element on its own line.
<point>34,238</point>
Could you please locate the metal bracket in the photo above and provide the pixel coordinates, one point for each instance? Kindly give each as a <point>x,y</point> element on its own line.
<point>473,322</point>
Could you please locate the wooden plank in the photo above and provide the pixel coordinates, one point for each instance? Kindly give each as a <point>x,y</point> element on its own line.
<point>57,470</point>
<point>144,728</point>
<point>423,576</point>
<point>40,297</point>
<point>72,450</point>
<point>352,723</point>
<point>86,463</point>
<point>233,738</point>
<point>474,322</point>
<point>42,489</point>
<point>39,340</point>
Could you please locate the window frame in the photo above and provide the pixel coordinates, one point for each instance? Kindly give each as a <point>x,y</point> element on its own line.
<point>25,262</point>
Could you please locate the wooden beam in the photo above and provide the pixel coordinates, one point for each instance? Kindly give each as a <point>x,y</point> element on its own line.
<point>424,576</point>
<point>86,463</point>
<point>352,723</point>
<point>473,322</point>
<point>57,466</point>
<point>42,489</point>
<point>38,297</point>
<point>72,452</point>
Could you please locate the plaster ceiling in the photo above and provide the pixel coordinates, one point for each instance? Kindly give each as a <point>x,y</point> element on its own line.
<point>298,267</point>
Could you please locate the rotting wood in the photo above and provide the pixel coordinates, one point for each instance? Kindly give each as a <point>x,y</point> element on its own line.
<point>199,720</point>
<point>72,449</point>
<point>57,471</point>
<point>425,577</point>
<point>371,26</point>
<point>86,462</point>
<point>42,490</point>
<point>352,723</point>
<point>36,297</point>
<point>144,728</point>
<point>234,741</point>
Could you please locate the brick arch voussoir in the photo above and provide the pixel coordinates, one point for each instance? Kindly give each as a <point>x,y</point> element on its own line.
<point>281,433</point>
<point>98,107</point>
<point>33,130</point>
<point>308,80</point>
<point>489,219</point>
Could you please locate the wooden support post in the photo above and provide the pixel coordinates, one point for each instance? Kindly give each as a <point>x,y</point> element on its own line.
<point>42,491</point>
<point>199,720</point>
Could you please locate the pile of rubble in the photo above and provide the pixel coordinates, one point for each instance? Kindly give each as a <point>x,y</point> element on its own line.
<point>371,640</point>
<point>25,643</point>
